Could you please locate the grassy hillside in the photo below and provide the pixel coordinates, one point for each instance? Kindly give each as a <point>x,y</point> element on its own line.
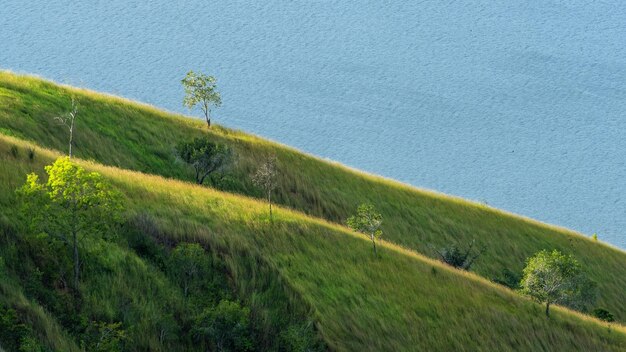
<point>129,135</point>
<point>402,301</point>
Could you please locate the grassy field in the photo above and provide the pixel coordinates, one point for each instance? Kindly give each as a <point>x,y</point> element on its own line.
<point>402,301</point>
<point>129,135</point>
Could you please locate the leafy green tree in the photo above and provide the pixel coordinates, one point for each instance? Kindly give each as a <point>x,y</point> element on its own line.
<point>225,327</point>
<point>555,278</point>
<point>265,177</point>
<point>201,89</point>
<point>205,156</point>
<point>367,220</point>
<point>71,205</point>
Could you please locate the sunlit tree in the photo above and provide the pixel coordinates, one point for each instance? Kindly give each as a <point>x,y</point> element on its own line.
<point>367,220</point>
<point>201,89</point>
<point>71,205</point>
<point>556,278</point>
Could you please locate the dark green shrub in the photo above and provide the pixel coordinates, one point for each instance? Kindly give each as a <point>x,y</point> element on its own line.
<point>603,314</point>
<point>300,338</point>
<point>225,327</point>
<point>104,337</point>
<point>14,334</point>
<point>460,258</point>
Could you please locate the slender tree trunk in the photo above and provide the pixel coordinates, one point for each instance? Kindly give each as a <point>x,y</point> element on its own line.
<point>269,199</point>
<point>71,139</point>
<point>374,243</point>
<point>76,261</point>
<point>548,309</point>
<point>207,115</point>
<point>73,117</point>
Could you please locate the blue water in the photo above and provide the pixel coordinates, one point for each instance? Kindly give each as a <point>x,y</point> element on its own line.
<point>519,105</point>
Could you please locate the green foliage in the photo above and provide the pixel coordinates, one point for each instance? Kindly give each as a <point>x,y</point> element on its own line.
<point>201,89</point>
<point>72,204</point>
<point>104,337</point>
<point>225,327</point>
<point>205,156</point>
<point>367,220</point>
<point>300,264</point>
<point>14,334</point>
<point>187,264</point>
<point>604,315</point>
<point>460,258</point>
<point>553,277</point>
<point>594,236</point>
<point>122,133</point>
<point>300,338</point>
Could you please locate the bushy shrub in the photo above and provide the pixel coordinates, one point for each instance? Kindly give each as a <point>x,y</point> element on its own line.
<point>225,327</point>
<point>300,338</point>
<point>14,334</point>
<point>104,337</point>
<point>460,258</point>
<point>603,314</point>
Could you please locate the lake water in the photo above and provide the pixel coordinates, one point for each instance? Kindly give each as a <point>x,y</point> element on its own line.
<point>519,105</point>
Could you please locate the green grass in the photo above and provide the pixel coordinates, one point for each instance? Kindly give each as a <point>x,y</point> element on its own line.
<point>299,267</point>
<point>402,301</point>
<point>122,133</point>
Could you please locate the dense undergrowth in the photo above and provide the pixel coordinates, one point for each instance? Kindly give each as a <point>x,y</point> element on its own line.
<point>129,135</point>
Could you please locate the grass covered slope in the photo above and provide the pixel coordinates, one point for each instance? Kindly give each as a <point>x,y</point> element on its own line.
<point>122,133</point>
<point>402,301</point>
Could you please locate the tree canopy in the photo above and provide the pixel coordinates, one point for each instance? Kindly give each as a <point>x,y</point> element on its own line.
<point>367,220</point>
<point>556,278</point>
<point>205,156</point>
<point>201,89</point>
<point>72,204</point>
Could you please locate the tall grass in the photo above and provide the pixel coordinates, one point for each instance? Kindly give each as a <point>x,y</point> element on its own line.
<point>401,301</point>
<point>119,132</point>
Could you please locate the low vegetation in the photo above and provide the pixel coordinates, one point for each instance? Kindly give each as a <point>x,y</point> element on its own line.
<point>121,133</point>
<point>309,260</point>
<point>227,279</point>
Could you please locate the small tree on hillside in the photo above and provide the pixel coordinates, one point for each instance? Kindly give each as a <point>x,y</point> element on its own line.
<point>367,221</point>
<point>201,89</point>
<point>71,205</point>
<point>205,156</point>
<point>555,278</point>
<point>265,177</point>
<point>68,120</point>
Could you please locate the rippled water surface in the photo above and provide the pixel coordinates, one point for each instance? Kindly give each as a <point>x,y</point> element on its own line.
<point>522,106</point>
